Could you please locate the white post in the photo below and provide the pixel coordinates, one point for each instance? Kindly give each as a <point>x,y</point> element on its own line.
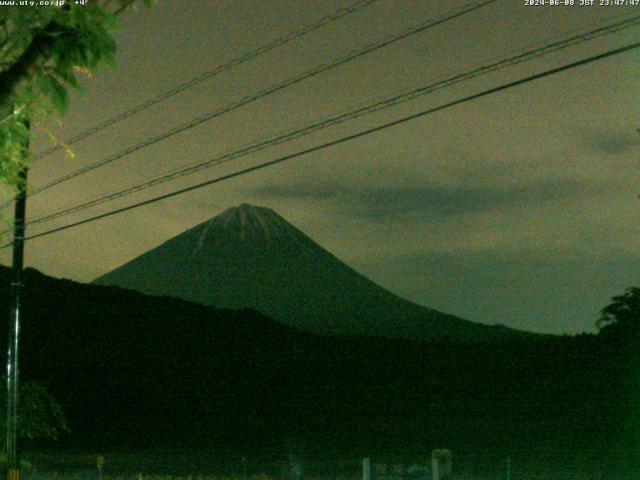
<point>100,465</point>
<point>441,464</point>
<point>366,469</point>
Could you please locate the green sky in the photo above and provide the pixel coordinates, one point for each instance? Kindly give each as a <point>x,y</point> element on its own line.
<point>519,208</point>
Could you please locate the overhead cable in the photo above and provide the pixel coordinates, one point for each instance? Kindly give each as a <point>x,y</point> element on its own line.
<point>340,140</point>
<point>520,57</point>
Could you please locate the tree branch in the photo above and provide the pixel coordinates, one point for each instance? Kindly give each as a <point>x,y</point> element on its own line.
<point>25,66</point>
<point>124,6</point>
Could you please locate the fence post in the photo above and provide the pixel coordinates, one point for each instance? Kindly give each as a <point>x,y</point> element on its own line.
<point>441,464</point>
<point>100,465</point>
<point>434,468</point>
<point>366,469</point>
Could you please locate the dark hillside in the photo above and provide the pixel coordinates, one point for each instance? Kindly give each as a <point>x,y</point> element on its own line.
<point>140,372</point>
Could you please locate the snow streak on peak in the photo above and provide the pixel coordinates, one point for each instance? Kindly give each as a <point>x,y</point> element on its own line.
<point>252,222</point>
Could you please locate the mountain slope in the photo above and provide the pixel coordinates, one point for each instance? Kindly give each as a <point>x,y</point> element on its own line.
<point>251,257</point>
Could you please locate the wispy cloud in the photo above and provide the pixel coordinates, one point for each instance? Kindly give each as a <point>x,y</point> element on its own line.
<point>431,200</point>
<point>610,142</point>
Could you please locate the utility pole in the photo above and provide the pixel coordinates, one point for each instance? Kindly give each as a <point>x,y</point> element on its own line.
<point>17,287</point>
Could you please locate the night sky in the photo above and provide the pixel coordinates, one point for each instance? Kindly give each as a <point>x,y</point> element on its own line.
<point>519,208</point>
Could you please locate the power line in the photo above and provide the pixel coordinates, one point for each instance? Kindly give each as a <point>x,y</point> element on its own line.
<point>268,91</point>
<point>344,139</point>
<point>523,55</point>
<point>289,37</point>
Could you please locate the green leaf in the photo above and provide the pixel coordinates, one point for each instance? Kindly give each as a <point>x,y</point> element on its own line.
<point>82,36</point>
<point>69,77</point>
<point>59,96</point>
<point>20,132</point>
<point>44,84</point>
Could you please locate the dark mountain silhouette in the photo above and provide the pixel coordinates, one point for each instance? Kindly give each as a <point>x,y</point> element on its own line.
<point>250,257</point>
<point>140,372</point>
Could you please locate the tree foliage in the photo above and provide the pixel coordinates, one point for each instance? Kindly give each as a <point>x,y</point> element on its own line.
<point>623,314</point>
<point>42,49</point>
<point>41,416</point>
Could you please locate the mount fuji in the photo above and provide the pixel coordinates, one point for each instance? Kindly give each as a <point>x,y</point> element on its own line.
<point>251,257</point>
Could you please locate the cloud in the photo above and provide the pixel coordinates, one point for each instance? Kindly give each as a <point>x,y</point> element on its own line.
<point>431,200</point>
<point>611,143</point>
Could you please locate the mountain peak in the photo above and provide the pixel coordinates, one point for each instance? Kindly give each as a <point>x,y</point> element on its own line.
<point>246,210</point>
<point>251,257</point>
<point>250,222</point>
